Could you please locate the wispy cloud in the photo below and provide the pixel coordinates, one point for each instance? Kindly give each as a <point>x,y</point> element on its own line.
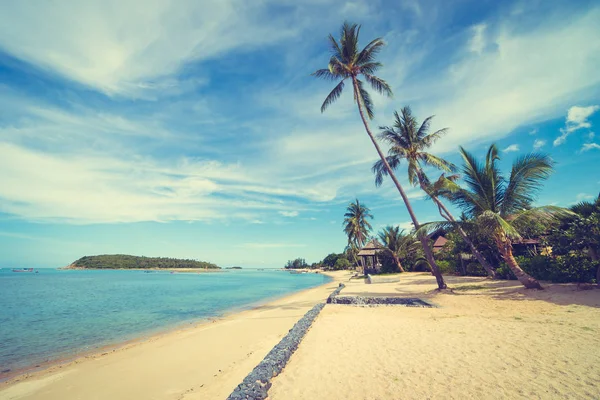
<point>590,146</point>
<point>289,213</point>
<point>534,131</point>
<point>477,41</point>
<point>538,144</point>
<point>577,118</point>
<point>511,148</point>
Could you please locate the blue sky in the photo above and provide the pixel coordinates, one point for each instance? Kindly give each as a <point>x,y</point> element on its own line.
<point>192,129</point>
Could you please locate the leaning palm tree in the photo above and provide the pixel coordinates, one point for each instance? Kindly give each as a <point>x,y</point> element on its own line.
<point>356,224</point>
<point>410,141</point>
<point>503,206</point>
<point>348,63</point>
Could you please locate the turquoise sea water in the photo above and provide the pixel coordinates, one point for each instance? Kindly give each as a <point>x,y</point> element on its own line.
<point>54,314</point>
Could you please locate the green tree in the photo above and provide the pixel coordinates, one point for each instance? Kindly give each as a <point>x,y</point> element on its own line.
<point>502,206</point>
<point>348,63</point>
<point>356,224</point>
<point>579,233</point>
<point>410,141</point>
<point>396,244</point>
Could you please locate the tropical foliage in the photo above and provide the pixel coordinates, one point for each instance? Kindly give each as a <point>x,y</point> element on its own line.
<point>397,244</point>
<point>298,263</point>
<point>502,206</point>
<point>348,63</point>
<point>356,224</point>
<point>410,141</point>
<point>123,261</point>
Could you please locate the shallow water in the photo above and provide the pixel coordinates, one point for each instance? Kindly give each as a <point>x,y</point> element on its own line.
<point>54,314</point>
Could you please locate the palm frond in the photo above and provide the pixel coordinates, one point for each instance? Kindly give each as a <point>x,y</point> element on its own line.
<point>490,222</point>
<point>379,85</point>
<point>546,215</point>
<point>525,180</point>
<point>333,95</point>
<point>474,175</point>
<point>325,74</point>
<point>370,67</point>
<point>335,47</point>
<point>428,140</point>
<point>349,41</point>
<point>370,51</point>
<point>437,162</point>
<point>365,99</point>
<point>380,170</point>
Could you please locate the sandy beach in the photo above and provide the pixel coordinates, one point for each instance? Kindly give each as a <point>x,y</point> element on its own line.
<point>488,340</point>
<point>205,361</point>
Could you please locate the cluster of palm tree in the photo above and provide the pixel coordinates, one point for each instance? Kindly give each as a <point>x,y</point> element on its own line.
<point>500,205</point>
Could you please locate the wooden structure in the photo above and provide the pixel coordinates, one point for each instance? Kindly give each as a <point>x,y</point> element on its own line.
<point>369,257</point>
<point>439,244</point>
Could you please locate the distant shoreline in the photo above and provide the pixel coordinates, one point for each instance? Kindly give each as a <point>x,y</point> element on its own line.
<point>196,270</point>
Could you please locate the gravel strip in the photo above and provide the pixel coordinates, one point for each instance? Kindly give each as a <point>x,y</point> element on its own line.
<point>256,385</point>
<point>379,301</point>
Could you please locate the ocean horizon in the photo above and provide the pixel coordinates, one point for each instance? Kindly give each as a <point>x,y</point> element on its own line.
<point>57,314</point>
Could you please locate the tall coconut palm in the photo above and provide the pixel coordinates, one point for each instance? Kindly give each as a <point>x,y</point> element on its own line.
<point>503,206</point>
<point>356,224</point>
<point>410,141</point>
<point>348,63</point>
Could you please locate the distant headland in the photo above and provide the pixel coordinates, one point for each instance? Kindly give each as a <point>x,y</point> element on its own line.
<point>124,261</point>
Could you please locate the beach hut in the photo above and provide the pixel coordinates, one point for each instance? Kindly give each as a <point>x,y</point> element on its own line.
<point>368,257</point>
<point>439,244</point>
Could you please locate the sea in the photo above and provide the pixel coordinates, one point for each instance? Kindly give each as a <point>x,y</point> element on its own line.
<point>56,314</point>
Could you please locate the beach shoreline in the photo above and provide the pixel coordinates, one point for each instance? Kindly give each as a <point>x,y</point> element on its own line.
<point>11,381</point>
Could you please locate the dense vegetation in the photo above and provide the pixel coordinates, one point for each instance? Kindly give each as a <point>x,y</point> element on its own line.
<point>117,261</point>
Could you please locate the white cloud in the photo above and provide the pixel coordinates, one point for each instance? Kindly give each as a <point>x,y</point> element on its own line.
<point>590,146</point>
<point>584,196</point>
<point>507,88</point>
<point>577,118</point>
<point>538,144</point>
<point>289,214</point>
<point>121,47</point>
<point>477,41</point>
<point>511,148</point>
<point>534,131</point>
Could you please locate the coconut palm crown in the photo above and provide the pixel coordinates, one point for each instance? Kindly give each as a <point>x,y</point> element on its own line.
<point>410,141</point>
<point>356,224</point>
<point>347,62</point>
<point>503,205</point>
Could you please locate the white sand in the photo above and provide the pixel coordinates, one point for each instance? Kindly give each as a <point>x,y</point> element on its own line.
<point>502,342</point>
<point>203,362</point>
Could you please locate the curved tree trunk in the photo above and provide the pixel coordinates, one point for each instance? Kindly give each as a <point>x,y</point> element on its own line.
<point>424,240</point>
<point>527,280</point>
<point>397,261</point>
<point>445,213</point>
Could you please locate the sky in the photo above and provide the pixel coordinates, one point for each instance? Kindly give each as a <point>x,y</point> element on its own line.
<point>193,129</point>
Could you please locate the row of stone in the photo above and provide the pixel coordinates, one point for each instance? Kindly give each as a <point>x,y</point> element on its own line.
<point>256,385</point>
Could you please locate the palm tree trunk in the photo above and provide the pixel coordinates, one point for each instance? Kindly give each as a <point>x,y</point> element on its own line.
<point>423,239</point>
<point>449,217</point>
<point>397,261</point>
<point>527,280</point>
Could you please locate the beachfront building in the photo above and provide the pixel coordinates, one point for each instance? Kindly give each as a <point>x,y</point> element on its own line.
<point>439,244</point>
<point>368,255</point>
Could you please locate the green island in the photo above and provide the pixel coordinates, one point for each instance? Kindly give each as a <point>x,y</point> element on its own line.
<point>124,261</point>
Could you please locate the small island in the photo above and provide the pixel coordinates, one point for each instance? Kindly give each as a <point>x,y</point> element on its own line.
<point>233,267</point>
<point>124,261</point>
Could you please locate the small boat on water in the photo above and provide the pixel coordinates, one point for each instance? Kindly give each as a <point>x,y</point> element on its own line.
<point>22,270</point>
